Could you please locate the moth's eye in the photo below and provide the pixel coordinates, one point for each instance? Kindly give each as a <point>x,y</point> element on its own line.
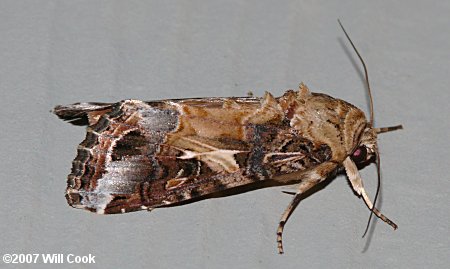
<point>360,154</point>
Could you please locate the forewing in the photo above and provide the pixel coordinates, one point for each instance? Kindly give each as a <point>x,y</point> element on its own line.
<point>140,155</point>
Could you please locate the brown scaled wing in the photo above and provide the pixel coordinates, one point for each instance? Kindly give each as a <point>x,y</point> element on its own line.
<point>141,155</point>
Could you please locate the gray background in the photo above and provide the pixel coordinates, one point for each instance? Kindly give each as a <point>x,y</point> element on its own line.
<point>61,52</point>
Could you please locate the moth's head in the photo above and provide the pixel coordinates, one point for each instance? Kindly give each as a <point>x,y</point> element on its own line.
<point>367,150</point>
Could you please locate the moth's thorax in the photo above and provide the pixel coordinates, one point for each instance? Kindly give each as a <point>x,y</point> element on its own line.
<point>325,120</point>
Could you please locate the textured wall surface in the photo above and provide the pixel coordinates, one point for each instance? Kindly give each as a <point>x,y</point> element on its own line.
<point>61,52</point>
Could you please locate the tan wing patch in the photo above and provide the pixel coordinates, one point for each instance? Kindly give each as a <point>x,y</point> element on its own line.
<point>175,182</point>
<point>217,159</point>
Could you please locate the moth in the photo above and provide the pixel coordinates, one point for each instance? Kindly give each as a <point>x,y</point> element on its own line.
<point>140,155</point>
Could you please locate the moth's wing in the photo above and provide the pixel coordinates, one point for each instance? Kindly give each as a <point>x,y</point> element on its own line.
<point>89,113</point>
<point>82,113</point>
<point>141,155</point>
<point>126,162</point>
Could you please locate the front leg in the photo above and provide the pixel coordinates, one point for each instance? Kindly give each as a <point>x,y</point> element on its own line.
<point>309,179</point>
<point>358,187</point>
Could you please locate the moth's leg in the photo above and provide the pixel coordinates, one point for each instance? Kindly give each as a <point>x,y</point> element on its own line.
<point>288,211</point>
<point>358,187</point>
<point>309,180</point>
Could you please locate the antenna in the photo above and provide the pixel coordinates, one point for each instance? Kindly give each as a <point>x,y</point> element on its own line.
<point>378,163</point>
<point>365,72</point>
